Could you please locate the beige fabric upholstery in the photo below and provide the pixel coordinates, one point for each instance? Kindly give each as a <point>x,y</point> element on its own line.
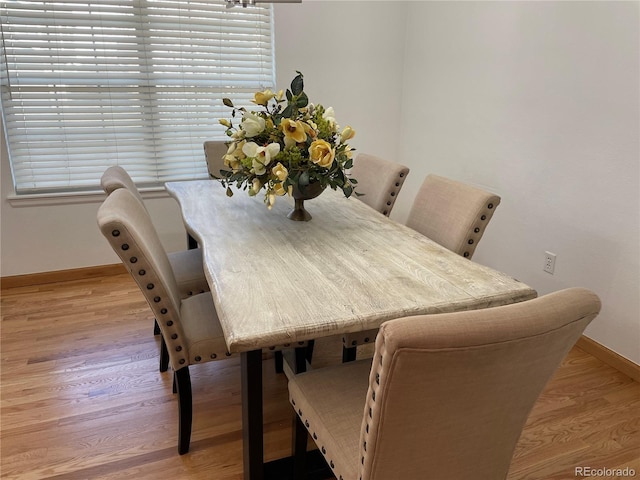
<point>186,265</point>
<point>116,177</point>
<point>452,213</point>
<point>214,151</point>
<point>126,224</point>
<point>379,180</point>
<point>447,395</point>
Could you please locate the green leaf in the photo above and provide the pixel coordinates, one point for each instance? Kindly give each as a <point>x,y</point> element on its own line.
<point>227,102</point>
<point>348,164</point>
<point>347,190</point>
<point>229,192</point>
<point>297,85</point>
<point>302,100</point>
<point>289,95</point>
<point>287,112</point>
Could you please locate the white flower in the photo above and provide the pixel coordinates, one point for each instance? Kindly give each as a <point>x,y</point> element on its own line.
<point>252,124</point>
<point>330,117</point>
<point>260,156</point>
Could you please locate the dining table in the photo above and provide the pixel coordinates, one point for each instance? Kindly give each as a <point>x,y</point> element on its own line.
<point>276,281</point>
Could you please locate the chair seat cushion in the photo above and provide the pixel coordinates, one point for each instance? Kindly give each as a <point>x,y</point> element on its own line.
<point>339,395</point>
<point>187,267</point>
<point>204,337</point>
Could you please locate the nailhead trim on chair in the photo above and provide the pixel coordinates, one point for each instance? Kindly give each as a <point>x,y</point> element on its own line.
<point>157,299</point>
<point>392,195</point>
<point>322,448</point>
<point>478,230</point>
<point>142,271</point>
<point>371,400</point>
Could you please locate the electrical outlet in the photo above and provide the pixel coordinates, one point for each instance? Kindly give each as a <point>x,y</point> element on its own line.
<point>549,262</point>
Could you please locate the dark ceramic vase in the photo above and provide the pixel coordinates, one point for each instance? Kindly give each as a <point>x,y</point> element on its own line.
<point>300,194</point>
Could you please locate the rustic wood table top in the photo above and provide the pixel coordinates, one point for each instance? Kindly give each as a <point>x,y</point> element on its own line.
<point>277,281</point>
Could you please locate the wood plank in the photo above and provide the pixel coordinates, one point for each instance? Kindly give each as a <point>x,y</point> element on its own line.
<point>82,398</point>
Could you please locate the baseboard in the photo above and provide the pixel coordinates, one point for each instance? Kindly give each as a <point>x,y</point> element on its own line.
<point>609,357</point>
<point>60,276</point>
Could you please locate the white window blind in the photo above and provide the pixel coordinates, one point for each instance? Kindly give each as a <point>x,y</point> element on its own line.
<point>137,83</point>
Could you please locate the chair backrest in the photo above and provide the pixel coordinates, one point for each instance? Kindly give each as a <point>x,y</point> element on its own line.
<point>125,223</point>
<point>449,394</point>
<point>214,151</point>
<point>452,213</point>
<point>379,180</point>
<point>116,177</point>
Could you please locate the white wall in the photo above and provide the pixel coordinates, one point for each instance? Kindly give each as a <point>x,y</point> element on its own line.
<point>351,55</point>
<point>537,101</point>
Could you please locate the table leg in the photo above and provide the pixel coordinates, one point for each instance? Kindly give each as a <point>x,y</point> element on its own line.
<point>252,426</point>
<point>252,441</point>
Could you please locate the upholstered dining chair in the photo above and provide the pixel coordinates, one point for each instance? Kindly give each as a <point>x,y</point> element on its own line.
<point>190,325</point>
<point>214,151</point>
<point>451,213</point>
<point>379,180</point>
<point>446,396</point>
<point>186,264</point>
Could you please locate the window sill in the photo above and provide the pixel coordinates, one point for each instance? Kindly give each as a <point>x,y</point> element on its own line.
<point>70,198</point>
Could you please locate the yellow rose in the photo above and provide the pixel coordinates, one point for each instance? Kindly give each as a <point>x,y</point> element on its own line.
<point>262,98</point>
<point>280,172</point>
<point>321,153</point>
<point>347,134</point>
<point>293,131</point>
<point>280,95</point>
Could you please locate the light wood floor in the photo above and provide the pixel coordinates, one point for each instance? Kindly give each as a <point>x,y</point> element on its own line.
<point>82,398</point>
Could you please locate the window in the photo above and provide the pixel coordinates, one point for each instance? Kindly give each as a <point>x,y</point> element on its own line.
<point>138,83</point>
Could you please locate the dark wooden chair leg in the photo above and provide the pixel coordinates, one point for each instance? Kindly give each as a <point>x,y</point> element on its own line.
<point>279,361</point>
<point>310,345</point>
<point>299,448</point>
<point>349,354</point>
<point>175,387</point>
<point>156,327</point>
<point>164,355</point>
<point>183,384</point>
<point>191,242</point>
<point>300,360</point>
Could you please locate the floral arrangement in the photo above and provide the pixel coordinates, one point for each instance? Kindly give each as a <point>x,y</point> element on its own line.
<point>286,147</point>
